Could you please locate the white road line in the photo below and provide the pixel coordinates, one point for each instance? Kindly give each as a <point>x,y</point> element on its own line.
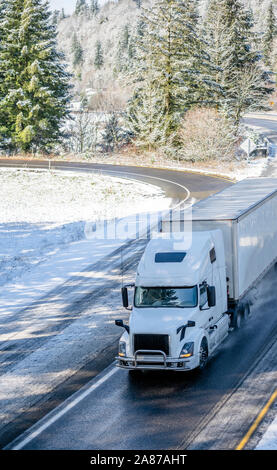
<point>103,170</point>
<point>53,418</point>
<point>151,177</point>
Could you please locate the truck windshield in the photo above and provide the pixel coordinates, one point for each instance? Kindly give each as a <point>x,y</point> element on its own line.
<point>182,297</point>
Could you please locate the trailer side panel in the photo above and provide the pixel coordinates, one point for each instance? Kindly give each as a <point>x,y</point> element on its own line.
<point>257,244</point>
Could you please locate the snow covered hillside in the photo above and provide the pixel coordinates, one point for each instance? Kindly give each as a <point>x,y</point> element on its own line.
<point>114,27</point>
<point>108,28</point>
<point>41,211</point>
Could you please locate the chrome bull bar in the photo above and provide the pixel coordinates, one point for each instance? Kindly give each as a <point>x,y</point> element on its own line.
<point>153,352</point>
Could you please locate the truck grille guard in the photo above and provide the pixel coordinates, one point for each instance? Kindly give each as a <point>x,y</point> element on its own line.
<point>152,352</point>
<point>162,361</point>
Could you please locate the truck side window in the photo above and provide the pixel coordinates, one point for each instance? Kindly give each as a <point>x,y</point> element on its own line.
<point>203,295</point>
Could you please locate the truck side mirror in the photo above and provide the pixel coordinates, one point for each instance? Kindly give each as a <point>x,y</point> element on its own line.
<point>211,296</point>
<point>125,299</point>
<point>122,325</point>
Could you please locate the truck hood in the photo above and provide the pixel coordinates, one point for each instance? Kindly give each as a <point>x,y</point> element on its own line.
<point>160,320</point>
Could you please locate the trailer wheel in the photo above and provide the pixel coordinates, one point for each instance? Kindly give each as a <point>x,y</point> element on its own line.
<point>204,354</point>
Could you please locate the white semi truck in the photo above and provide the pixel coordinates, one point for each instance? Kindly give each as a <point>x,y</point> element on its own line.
<point>190,293</point>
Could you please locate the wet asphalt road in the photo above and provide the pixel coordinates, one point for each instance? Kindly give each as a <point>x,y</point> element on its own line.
<point>158,410</point>
<point>174,183</point>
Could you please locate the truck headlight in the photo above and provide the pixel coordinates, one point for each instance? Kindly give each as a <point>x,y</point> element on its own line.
<point>122,349</point>
<point>187,350</point>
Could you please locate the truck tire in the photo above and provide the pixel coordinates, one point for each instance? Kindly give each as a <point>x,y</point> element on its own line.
<point>204,354</point>
<point>238,317</point>
<point>135,373</point>
<point>241,315</point>
<point>247,312</point>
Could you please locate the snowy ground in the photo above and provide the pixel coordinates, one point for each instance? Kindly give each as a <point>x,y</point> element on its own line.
<point>269,439</point>
<point>53,197</point>
<point>43,248</point>
<point>50,263</point>
<point>42,211</point>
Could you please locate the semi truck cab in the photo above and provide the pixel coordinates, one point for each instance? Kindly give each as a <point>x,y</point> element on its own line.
<point>179,313</point>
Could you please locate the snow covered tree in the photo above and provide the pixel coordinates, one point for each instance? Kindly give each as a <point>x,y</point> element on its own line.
<point>171,51</point>
<point>146,116</point>
<point>82,131</point>
<point>34,90</point>
<point>114,136</point>
<point>55,17</point>
<point>126,49</point>
<point>4,129</point>
<point>81,7</point>
<point>77,51</point>
<point>98,59</point>
<point>229,33</point>
<point>138,2</point>
<point>269,36</point>
<point>62,15</point>
<point>94,7</point>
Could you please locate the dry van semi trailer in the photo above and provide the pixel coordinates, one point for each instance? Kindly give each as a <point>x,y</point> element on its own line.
<point>191,290</point>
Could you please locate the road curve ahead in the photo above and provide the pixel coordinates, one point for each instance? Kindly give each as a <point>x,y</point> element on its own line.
<point>176,184</point>
<point>163,410</point>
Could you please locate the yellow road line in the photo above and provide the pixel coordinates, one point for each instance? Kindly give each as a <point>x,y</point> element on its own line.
<point>257,421</point>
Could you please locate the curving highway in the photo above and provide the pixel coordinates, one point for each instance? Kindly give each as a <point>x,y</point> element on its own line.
<point>175,184</point>
<point>163,410</point>
<point>63,307</point>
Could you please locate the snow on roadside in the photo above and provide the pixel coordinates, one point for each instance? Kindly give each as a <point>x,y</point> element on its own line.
<point>42,196</point>
<point>253,169</point>
<point>269,439</point>
<point>41,211</point>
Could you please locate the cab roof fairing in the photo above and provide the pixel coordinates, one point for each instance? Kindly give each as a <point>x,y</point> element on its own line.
<point>189,272</point>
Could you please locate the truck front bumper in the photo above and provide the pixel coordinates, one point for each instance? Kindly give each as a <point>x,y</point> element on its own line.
<point>144,360</point>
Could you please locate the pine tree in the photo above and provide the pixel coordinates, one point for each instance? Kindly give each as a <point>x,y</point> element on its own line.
<point>229,33</point>
<point>146,114</point>
<point>55,17</point>
<point>35,88</point>
<point>99,59</point>
<point>113,136</point>
<point>269,36</point>
<point>126,36</point>
<point>126,49</point>
<point>214,33</point>
<point>4,128</point>
<point>171,51</point>
<point>138,2</point>
<point>81,7</point>
<point>94,7</point>
<point>77,51</point>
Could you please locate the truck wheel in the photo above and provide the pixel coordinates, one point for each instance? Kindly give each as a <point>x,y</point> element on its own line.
<point>238,317</point>
<point>133,373</point>
<point>203,359</point>
<point>246,312</point>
